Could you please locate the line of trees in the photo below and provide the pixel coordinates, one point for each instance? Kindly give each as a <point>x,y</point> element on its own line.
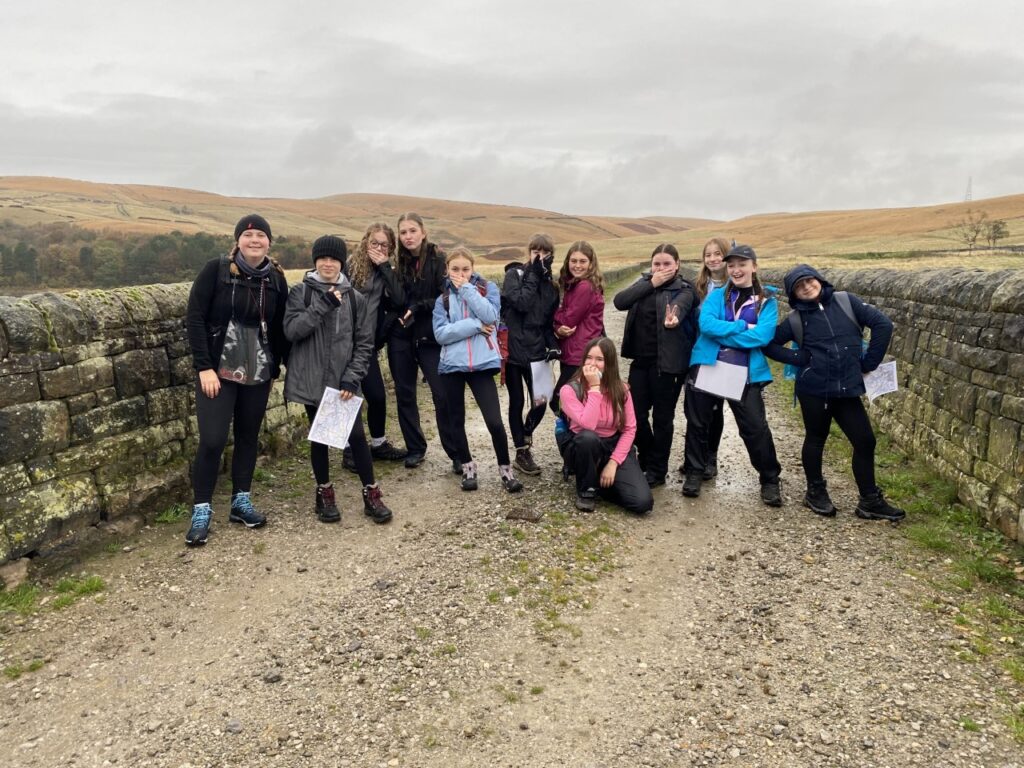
<point>64,256</point>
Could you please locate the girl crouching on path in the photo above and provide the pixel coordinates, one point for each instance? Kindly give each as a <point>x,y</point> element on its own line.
<point>597,441</point>
<point>332,341</point>
<point>830,383</point>
<point>466,325</point>
<point>736,321</point>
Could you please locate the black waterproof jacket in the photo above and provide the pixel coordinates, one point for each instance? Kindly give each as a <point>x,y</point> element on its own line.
<point>422,284</point>
<point>674,346</point>
<point>832,355</point>
<point>210,309</point>
<point>528,304</point>
<point>384,296</point>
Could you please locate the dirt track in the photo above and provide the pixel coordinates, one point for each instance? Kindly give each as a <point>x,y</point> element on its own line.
<point>711,632</point>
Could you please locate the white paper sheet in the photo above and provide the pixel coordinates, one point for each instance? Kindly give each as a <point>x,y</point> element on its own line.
<point>334,419</point>
<point>881,380</point>
<point>543,374</point>
<point>722,380</point>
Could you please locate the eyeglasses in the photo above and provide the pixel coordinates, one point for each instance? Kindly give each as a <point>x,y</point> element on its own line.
<point>377,244</point>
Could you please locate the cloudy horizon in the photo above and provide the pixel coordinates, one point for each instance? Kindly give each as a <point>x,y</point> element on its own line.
<point>585,108</point>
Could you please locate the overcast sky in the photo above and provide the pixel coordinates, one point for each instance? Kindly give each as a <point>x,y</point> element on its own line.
<point>628,108</point>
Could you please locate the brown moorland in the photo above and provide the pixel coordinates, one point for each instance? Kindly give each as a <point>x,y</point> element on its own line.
<point>893,237</point>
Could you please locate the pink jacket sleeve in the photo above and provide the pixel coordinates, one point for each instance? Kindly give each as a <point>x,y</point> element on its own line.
<point>627,434</point>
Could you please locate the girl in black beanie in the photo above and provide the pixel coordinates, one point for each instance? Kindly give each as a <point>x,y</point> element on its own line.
<point>234,323</point>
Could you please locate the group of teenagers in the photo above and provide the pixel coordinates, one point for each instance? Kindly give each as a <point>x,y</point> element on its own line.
<point>438,317</point>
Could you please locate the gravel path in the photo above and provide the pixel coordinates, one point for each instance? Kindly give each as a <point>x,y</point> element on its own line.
<point>714,631</point>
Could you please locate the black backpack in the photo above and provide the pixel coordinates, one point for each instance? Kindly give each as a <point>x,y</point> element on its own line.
<point>842,299</point>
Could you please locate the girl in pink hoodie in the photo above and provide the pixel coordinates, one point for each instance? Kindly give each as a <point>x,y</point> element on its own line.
<point>597,441</point>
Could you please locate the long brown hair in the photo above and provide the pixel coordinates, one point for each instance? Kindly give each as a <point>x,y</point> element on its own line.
<point>359,267</point>
<point>704,276</point>
<point>612,385</point>
<point>593,276</point>
<point>409,263</point>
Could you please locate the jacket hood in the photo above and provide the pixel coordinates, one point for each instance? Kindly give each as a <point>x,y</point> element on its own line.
<point>515,265</point>
<point>800,272</point>
<point>313,278</point>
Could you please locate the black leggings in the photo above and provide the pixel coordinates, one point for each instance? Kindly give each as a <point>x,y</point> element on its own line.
<point>376,396</point>
<point>406,359</point>
<point>485,392</point>
<point>849,414</point>
<point>319,458</point>
<point>522,430</point>
<point>243,404</point>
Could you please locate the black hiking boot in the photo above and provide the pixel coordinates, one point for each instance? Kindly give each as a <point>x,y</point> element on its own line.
<point>691,485</point>
<point>387,452</point>
<point>524,462</point>
<point>373,505</point>
<point>875,507</point>
<point>817,499</point>
<point>711,468</point>
<point>326,509</point>
<point>348,461</point>
<point>771,493</point>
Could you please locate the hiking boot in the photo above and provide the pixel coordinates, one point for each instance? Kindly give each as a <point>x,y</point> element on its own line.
<point>348,461</point>
<point>817,500</point>
<point>691,485</point>
<point>387,452</point>
<point>711,468</point>
<point>875,507</point>
<point>456,467</point>
<point>199,531</point>
<point>771,493</point>
<point>511,483</point>
<point>242,511</point>
<point>524,462</point>
<point>373,505</point>
<point>413,460</point>
<point>653,480</point>
<point>586,501</point>
<point>326,509</point>
<point>469,482</point>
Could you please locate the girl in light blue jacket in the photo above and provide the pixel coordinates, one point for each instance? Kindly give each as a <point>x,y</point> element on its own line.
<point>465,325</point>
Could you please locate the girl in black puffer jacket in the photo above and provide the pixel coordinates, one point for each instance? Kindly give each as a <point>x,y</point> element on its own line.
<point>832,363</point>
<point>529,298</point>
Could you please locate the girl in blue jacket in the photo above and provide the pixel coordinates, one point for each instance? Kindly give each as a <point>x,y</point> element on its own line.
<point>830,382</point>
<point>465,325</point>
<point>736,320</point>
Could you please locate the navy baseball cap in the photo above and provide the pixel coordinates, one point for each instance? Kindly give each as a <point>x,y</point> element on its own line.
<point>741,252</point>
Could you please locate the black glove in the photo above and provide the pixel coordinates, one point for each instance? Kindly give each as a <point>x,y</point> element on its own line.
<point>552,354</point>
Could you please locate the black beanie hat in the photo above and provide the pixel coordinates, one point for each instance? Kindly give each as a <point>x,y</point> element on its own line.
<point>252,221</point>
<point>329,247</point>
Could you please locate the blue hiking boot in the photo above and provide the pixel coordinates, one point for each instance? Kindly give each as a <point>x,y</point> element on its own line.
<point>199,531</point>
<point>242,511</point>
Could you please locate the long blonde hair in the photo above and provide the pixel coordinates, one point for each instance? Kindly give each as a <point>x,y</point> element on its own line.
<point>359,267</point>
<point>704,276</point>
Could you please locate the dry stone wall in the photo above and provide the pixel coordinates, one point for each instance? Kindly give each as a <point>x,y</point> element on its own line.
<point>959,347</point>
<point>97,410</point>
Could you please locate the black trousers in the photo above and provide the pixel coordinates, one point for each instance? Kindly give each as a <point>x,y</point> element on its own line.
<point>565,372</point>
<point>376,396</point>
<point>485,392</point>
<point>522,429</point>
<point>586,454</point>
<point>405,358</point>
<point>655,396</point>
<point>243,404</point>
<point>852,418</point>
<point>319,458</point>
<point>750,419</point>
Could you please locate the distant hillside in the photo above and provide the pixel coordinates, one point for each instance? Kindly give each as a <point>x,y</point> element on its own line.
<point>139,208</point>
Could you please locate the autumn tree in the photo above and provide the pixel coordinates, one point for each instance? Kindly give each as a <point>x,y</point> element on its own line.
<point>969,228</point>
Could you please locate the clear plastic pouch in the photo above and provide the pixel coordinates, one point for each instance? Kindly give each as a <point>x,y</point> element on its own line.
<point>244,360</point>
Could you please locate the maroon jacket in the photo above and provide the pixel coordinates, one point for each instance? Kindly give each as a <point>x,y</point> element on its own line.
<point>583,309</point>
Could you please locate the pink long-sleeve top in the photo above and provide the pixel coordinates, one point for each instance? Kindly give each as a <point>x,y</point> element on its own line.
<point>595,413</point>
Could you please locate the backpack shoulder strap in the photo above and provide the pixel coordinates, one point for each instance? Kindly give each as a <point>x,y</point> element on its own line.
<point>843,298</point>
<point>307,296</point>
<point>797,327</point>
